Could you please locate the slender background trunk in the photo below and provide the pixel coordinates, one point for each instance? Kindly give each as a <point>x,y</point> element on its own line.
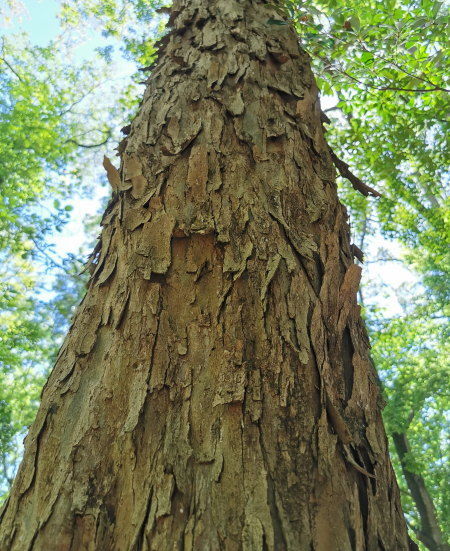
<point>215,391</point>
<point>430,533</point>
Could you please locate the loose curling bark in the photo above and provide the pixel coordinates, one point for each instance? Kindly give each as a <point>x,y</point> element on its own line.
<point>215,390</point>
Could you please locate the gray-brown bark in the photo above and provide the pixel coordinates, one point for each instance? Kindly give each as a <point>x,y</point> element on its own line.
<point>430,533</point>
<point>215,391</point>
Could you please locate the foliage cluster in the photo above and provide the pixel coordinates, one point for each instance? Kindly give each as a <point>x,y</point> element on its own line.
<point>46,116</point>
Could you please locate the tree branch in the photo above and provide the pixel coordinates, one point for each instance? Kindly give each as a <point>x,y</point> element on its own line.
<point>357,184</point>
<point>92,145</point>
<point>11,69</point>
<point>52,261</point>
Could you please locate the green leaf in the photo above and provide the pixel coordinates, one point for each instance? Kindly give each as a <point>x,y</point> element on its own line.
<point>367,57</point>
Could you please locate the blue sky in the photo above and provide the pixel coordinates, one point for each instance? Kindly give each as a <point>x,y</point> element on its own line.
<point>41,22</point>
<point>37,19</point>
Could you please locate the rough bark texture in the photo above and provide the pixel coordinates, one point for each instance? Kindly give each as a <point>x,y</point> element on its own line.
<point>215,391</point>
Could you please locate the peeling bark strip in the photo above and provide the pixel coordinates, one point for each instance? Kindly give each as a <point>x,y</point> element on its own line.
<point>215,391</point>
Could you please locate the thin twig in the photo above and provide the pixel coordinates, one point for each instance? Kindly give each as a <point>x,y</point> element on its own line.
<point>11,69</point>
<point>54,262</point>
<point>92,145</point>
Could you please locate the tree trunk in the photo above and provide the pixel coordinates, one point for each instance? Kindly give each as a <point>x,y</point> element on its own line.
<point>214,391</point>
<point>430,533</point>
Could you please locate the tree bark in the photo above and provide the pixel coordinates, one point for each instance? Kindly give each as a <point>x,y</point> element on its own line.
<point>215,391</point>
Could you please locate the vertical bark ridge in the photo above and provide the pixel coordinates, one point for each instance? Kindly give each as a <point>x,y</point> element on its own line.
<point>215,391</point>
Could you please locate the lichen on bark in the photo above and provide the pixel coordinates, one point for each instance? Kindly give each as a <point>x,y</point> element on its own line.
<point>215,389</point>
